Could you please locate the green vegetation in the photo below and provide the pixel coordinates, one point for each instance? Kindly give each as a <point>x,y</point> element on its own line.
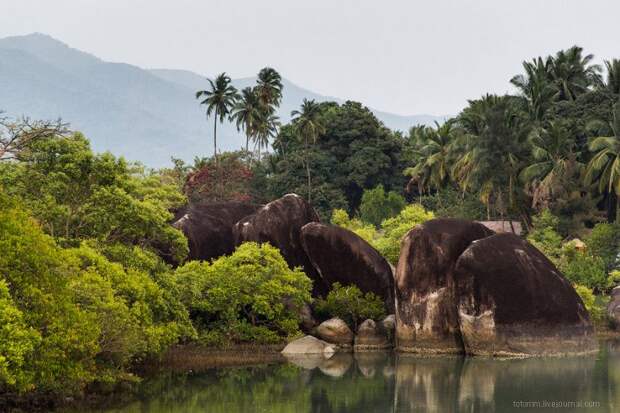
<point>250,296</point>
<point>351,305</point>
<point>387,238</point>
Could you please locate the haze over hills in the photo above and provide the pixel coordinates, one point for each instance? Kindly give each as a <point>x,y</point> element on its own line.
<point>145,115</point>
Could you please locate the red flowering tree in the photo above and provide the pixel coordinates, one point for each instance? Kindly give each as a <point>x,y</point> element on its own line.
<point>227,180</point>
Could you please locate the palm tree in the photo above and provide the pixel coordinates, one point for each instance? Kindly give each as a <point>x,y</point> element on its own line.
<point>573,74</point>
<point>269,87</point>
<point>266,128</point>
<point>495,134</point>
<point>435,149</point>
<point>554,158</point>
<point>604,167</point>
<point>219,100</point>
<point>613,76</point>
<point>308,126</point>
<point>246,112</point>
<point>536,86</point>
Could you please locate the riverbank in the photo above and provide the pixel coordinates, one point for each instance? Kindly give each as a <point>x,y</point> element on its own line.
<point>180,359</point>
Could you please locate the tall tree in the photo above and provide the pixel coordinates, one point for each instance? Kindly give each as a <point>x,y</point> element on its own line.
<point>269,87</point>
<point>219,100</point>
<point>309,127</point>
<point>246,112</point>
<point>496,134</point>
<point>536,86</point>
<point>573,73</point>
<point>554,157</point>
<point>604,167</point>
<point>435,147</point>
<point>266,128</point>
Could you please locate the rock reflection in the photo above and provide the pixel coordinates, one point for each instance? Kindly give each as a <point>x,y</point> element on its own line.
<point>426,384</point>
<point>387,382</point>
<point>337,365</point>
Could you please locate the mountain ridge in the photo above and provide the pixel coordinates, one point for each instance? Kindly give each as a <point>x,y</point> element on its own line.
<point>147,115</point>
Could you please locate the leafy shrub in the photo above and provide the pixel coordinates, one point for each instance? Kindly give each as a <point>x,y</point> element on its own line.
<point>355,225</point>
<point>241,297</point>
<point>377,205</point>
<point>593,305</point>
<point>394,229</point>
<point>351,305</point>
<point>387,239</point>
<point>581,267</point>
<point>545,237</point>
<point>604,241</point>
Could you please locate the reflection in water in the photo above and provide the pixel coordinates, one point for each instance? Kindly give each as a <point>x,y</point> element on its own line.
<point>383,382</point>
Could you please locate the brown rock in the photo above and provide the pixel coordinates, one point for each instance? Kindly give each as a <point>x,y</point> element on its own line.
<point>335,331</point>
<point>371,336</point>
<point>209,227</point>
<point>513,301</point>
<point>426,315</point>
<point>279,223</point>
<point>341,256</point>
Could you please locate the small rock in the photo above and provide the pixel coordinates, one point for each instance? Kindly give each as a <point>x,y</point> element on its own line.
<point>389,322</point>
<point>371,336</point>
<point>335,331</point>
<point>309,345</point>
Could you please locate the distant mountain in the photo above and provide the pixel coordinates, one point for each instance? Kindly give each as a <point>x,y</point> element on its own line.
<point>145,115</point>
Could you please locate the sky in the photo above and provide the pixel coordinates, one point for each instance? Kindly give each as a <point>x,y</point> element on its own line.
<point>406,57</point>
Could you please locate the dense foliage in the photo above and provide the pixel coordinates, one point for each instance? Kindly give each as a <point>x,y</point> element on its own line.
<point>351,305</point>
<point>250,296</point>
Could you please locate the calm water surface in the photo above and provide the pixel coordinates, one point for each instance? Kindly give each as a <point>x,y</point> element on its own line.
<point>383,382</point>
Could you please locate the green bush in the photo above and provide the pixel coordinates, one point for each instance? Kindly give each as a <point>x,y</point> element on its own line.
<point>365,231</point>
<point>387,239</point>
<point>394,229</point>
<point>581,267</point>
<point>351,305</point>
<point>593,304</point>
<point>545,237</point>
<point>377,205</point>
<point>241,297</point>
<point>604,241</point>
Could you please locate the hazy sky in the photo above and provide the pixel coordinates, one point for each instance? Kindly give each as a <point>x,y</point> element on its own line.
<point>407,57</point>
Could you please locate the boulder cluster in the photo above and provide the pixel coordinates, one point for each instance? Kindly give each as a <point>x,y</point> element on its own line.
<point>458,286</point>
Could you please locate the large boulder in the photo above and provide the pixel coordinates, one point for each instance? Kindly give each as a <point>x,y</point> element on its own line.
<point>613,308</point>
<point>513,301</point>
<point>426,315</point>
<point>279,223</point>
<point>341,256</point>
<point>209,227</point>
<point>335,331</point>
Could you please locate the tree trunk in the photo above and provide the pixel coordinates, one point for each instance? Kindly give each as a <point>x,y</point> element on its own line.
<point>308,174</point>
<point>613,206</point>
<point>215,136</point>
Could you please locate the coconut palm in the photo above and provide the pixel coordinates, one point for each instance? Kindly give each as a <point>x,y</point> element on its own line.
<point>536,86</point>
<point>266,127</point>
<point>604,167</point>
<point>612,82</point>
<point>308,126</point>
<point>219,100</point>
<point>246,112</point>
<point>490,161</point>
<point>435,149</point>
<point>573,74</point>
<point>269,87</point>
<point>553,158</point>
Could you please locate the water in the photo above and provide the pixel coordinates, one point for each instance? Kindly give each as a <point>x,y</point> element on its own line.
<point>384,382</point>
